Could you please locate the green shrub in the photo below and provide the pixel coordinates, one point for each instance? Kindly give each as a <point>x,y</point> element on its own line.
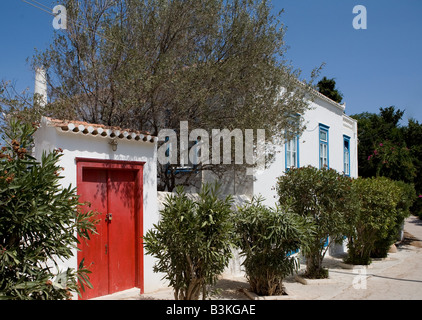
<point>267,237</point>
<point>325,197</point>
<point>192,241</point>
<point>39,223</point>
<point>406,197</point>
<point>378,200</point>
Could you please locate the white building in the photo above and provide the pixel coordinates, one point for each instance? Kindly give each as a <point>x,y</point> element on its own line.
<point>116,170</point>
<point>330,139</point>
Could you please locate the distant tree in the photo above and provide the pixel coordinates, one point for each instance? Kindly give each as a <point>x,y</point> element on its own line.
<point>328,88</point>
<point>393,161</point>
<point>375,129</point>
<point>388,149</point>
<point>413,139</point>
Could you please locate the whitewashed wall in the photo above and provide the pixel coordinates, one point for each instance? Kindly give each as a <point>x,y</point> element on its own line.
<point>321,112</point>
<point>87,146</point>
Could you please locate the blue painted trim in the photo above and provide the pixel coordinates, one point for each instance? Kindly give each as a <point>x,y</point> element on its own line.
<point>297,152</point>
<point>186,169</point>
<point>168,147</point>
<point>323,127</point>
<point>347,139</point>
<point>292,253</point>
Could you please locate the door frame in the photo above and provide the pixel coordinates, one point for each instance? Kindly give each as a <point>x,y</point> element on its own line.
<point>137,166</point>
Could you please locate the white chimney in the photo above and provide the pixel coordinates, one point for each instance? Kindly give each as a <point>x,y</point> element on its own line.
<point>41,86</point>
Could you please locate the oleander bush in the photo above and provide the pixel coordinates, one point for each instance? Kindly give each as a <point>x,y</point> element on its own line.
<point>267,237</point>
<point>192,241</point>
<point>326,198</point>
<point>39,222</point>
<point>377,216</point>
<point>406,198</point>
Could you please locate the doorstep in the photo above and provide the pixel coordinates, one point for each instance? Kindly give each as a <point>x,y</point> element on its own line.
<point>130,294</point>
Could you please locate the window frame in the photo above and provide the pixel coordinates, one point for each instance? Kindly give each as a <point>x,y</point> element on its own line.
<point>324,129</point>
<point>346,139</point>
<point>289,143</point>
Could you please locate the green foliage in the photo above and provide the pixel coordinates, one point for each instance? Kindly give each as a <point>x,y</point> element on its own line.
<point>406,198</point>
<point>325,197</point>
<point>328,88</point>
<point>39,222</point>
<point>377,216</point>
<point>390,150</point>
<point>192,242</point>
<point>375,129</point>
<point>392,161</point>
<point>267,237</point>
<point>413,139</point>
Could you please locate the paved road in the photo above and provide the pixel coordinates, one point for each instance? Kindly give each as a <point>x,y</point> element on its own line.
<point>398,278</point>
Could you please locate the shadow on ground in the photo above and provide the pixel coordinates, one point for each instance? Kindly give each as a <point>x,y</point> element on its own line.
<point>411,240</point>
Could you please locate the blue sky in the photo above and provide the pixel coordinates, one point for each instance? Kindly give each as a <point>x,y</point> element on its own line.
<point>376,67</point>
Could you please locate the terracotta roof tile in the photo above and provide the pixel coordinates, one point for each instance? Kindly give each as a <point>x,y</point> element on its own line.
<point>80,127</point>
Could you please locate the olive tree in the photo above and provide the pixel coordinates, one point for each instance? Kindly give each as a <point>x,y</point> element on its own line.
<point>150,64</point>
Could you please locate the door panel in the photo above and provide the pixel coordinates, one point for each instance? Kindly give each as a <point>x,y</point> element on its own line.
<point>94,190</point>
<point>122,230</point>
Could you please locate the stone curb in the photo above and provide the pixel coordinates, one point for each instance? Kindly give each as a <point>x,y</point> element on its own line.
<point>254,296</point>
<point>305,281</point>
<point>355,266</point>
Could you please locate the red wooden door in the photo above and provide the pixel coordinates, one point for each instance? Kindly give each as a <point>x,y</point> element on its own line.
<point>94,190</point>
<point>114,255</point>
<point>121,230</point>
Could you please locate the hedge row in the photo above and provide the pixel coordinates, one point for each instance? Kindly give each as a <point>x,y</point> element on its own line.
<point>193,240</point>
